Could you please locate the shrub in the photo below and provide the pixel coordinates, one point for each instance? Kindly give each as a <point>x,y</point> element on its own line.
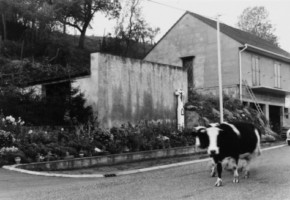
<point>6,139</point>
<point>9,153</point>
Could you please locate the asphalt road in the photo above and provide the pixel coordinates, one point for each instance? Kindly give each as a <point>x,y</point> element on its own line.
<point>269,179</point>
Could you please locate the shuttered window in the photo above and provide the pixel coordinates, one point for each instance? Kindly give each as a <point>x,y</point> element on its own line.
<point>277,74</point>
<point>256,71</point>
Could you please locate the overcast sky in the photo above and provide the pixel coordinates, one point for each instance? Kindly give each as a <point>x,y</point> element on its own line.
<point>164,17</point>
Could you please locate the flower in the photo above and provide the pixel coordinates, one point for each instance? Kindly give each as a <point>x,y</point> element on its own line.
<point>163,138</point>
<point>97,149</point>
<point>5,150</point>
<point>40,157</point>
<point>20,121</point>
<point>10,119</point>
<point>30,131</point>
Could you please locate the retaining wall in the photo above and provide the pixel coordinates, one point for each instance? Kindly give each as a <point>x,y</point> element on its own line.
<point>95,161</point>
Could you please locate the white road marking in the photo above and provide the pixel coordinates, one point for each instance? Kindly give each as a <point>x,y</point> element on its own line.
<point>13,168</point>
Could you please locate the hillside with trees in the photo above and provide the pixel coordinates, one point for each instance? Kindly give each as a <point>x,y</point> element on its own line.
<point>36,47</point>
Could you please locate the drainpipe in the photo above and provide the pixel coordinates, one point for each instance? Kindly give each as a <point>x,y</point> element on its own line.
<point>240,68</point>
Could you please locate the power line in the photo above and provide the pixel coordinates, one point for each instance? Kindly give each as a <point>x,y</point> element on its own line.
<point>166,5</point>
<point>176,8</point>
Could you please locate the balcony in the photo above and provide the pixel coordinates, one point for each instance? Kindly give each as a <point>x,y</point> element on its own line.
<point>271,90</point>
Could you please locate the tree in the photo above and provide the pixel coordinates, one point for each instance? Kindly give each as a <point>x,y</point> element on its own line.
<point>33,14</point>
<point>131,25</point>
<point>79,13</point>
<point>256,21</point>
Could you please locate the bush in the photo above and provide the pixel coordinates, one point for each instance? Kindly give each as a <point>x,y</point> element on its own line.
<point>207,107</point>
<point>55,144</point>
<point>8,154</point>
<point>6,139</point>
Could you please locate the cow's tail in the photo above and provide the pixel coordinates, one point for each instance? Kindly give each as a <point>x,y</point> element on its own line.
<point>258,147</point>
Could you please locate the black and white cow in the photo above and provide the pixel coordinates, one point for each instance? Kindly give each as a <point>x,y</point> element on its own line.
<point>229,140</point>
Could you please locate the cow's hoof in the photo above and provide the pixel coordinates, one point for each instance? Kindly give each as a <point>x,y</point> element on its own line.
<point>219,183</point>
<point>236,180</point>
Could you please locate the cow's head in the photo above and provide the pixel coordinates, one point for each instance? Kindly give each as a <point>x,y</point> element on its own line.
<point>213,134</point>
<point>208,138</point>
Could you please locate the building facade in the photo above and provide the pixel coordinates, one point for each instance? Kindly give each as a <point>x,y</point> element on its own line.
<point>246,60</point>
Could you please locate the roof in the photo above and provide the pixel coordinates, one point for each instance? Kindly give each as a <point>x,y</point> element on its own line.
<point>242,36</point>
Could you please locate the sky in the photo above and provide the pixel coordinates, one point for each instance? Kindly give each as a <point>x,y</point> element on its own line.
<point>159,15</point>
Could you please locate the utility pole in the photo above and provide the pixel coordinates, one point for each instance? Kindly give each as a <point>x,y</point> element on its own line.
<point>220,71</point>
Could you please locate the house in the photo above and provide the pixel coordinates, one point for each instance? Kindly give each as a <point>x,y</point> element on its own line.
<point>247,60</point>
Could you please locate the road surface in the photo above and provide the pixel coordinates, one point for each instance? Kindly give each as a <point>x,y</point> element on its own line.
<point>269,179</point>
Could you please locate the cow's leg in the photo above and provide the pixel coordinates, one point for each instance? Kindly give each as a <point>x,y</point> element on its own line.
<point>247,167</point>
<point>235,168</point>
<point>219,172</point>
<point>227,163</point>
<point>213,169</point>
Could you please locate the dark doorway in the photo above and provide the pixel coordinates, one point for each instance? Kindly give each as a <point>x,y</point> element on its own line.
<point>275,118</point>
<point>57,98</point>
<point>187,63</point>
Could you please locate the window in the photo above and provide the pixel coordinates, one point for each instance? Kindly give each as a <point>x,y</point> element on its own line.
<point>187,63</point>
<point>255,70</point>
<point>277,75</point>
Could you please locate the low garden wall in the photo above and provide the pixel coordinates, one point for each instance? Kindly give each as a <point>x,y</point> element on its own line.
<point>77,163</point>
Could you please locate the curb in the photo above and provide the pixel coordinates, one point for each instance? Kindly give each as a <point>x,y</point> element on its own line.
<point>14,168</point>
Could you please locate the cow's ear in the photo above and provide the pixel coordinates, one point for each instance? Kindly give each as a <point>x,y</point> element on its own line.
<point>202,130</point>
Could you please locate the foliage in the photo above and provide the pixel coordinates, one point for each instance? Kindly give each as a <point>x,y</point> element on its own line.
<point>61,105</point>
<point>10,133</point>
<point>132,27</point>
<point>207,107</point>
<point>50,144</point>
<point>8,154</point>
<point>6,150</point>
<point>6,139</point>
<point>255,20</point>
<point>33,14</point>
<point>79,13</point>
<point>117,46</point>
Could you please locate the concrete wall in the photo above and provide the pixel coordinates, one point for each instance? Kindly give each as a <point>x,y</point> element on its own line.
<point>192,37</point>
<point>230,90</point>
<point>122,90</point>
